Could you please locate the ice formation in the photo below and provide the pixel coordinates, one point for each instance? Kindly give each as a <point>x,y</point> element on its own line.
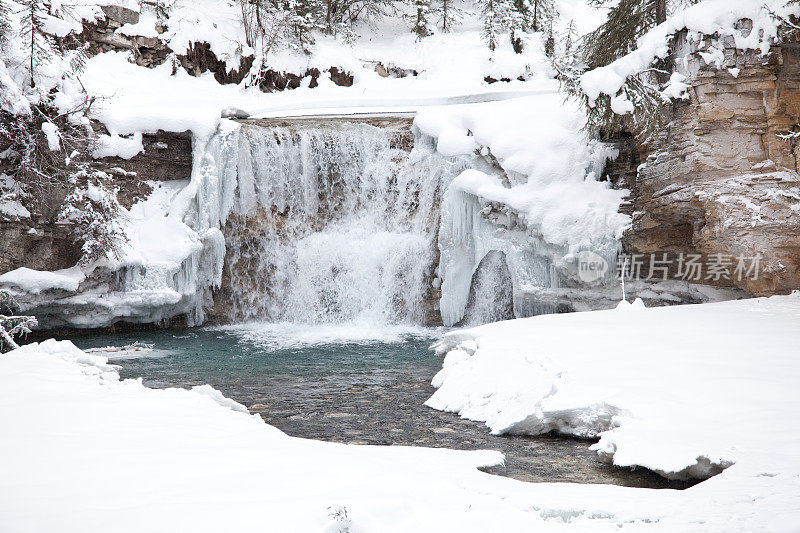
<point>331,221</point>
<point>473,226</point>
<point>466,237</point>
<point>326,221</point>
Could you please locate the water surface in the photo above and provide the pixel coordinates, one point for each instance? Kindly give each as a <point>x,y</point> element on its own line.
<point>350,384</point>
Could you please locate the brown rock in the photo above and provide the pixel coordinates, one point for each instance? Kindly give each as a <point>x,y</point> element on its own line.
<point>719,180</point>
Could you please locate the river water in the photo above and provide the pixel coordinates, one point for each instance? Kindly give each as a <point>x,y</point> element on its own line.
<point>353,385</point>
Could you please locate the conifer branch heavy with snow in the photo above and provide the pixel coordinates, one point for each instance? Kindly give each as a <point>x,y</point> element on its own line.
<point>12,323</point>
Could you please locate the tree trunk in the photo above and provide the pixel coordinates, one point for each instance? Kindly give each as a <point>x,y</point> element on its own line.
<point>661,11</point>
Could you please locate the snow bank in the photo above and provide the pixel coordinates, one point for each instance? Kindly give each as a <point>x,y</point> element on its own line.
<point>710,17</point>
<point>216,22</point>
<point>685,391</point>
<point>13,209</point>
<point>115,146</point>
<point>36,281</point>
<point>83,451</point>
<point>133,99</point>
<point>53,72</point>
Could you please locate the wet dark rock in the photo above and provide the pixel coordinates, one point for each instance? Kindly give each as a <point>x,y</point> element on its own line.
<point>387,408</point>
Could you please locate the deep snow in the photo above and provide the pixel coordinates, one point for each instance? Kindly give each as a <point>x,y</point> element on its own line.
<point>83,451</point>
<point>686,391</point>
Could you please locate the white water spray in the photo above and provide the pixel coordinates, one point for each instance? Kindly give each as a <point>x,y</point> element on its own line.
<point>329,223</point>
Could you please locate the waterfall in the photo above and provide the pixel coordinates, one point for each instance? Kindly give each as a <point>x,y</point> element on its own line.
<point>327,222</point>
<point>334,221</point>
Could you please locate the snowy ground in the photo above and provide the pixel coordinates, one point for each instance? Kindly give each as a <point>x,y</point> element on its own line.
<point>686,391</point>
<point>83,451</point>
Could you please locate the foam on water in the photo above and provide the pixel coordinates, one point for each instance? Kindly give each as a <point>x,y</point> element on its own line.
<point>291,335</point>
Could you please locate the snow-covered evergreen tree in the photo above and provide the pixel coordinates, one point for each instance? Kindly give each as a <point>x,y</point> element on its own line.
<point>495,15</point>
<point>93,209</point>
<point>5,23</point>
<point>550,41</point>
<point>538,13</point>
<point>515,17</point>
<point>570,37</point>
<point>12,322</point>
<point>450,15</point>
<point>627,21</point>
<point>38,44</point>
<point>422,10</point>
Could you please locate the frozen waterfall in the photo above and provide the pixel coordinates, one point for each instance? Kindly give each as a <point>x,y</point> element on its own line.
<point>330,221</point>
<point>467,235</point>
<point>327,221</point>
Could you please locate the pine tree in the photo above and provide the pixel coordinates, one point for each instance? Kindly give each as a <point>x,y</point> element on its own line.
<point>39,45</point>
<point>539,12</point>
<point>498,16</point>
<point>450,15</point>
<point>5,23</point>
<point>514,16</point>
<point>570,37</point>
<point>492,22</point>
<point>550,41</point>
<point>518,18</point>
<point>626,22</point>
<point>421,28</point>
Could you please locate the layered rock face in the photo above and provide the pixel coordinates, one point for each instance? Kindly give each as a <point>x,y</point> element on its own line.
<point>718,179</point>
<point>40,243</point>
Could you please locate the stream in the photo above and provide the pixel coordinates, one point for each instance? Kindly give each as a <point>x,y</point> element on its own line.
<point>352,385</point>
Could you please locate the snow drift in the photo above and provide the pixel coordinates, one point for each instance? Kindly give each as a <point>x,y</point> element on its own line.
<point>686,391</point>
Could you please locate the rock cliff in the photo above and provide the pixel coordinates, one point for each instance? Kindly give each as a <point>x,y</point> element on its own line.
<point>718,179</point>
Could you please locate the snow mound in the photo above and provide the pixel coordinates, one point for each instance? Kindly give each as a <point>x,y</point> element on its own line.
<point>686,391</point>
<point>36,281</point>
<point>64,410</point>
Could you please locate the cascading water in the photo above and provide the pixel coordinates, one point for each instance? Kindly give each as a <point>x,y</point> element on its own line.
<point>331,222</point>
<point>334,221</point>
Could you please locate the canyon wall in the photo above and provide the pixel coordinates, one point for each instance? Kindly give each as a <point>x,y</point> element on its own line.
<point>718,178</point>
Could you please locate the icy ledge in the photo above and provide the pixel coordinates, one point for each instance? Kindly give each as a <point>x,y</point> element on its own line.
<point>685,391</point>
